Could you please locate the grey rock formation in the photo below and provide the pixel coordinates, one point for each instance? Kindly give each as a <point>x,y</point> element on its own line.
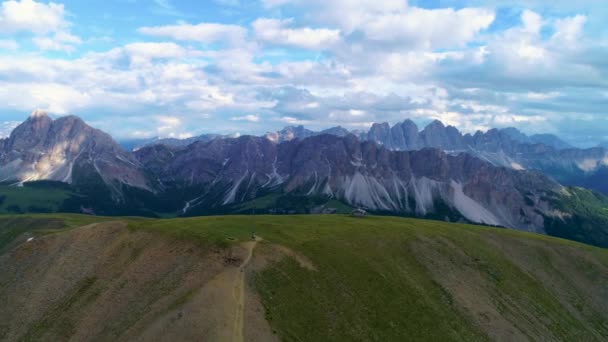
<point>45,149</point>
<point>363,174</point>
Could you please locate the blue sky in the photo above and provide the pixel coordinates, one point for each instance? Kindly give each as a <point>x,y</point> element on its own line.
<point>142,68</point>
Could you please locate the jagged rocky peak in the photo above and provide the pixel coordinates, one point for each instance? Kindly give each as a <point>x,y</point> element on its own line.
<point>378,132</point>
<point>437,135</point>
<point>38,113</point>
<point>515,134</point>
<point>31,132</point>
<point>435,125</point>
<point>405,136</point>
<point>41,148</point>
<point>337,131</point>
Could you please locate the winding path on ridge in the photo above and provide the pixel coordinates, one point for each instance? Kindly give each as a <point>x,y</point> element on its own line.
<point>239,292</point>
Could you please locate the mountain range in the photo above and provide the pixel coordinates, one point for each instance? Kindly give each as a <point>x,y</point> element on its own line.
<point>500,178</point>
<point>506,147</point>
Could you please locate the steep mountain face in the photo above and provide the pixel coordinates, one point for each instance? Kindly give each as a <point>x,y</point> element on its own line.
<point>405,136</point>
<point>550,140</point>
<point>439,136</point>
<point>506,147</point>
<point>545,139</point>
<point>424,182</point>
<point>572,167</point>
<point>45,149</point>
<point>502,147</point>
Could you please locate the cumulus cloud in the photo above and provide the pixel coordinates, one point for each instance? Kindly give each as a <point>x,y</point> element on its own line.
<point>144,52</point>
<point>7,127</point>
<point>31,16</point>
<point>250,118</point>
<point>568,30</point>
<point>277,31</point>
<point>46,21</point>
<point>203,32</point>
<point>60,41</point>
<point>348,15</point>
<point>51,97</point>
<point>428,29</point>
<point>8,44</point>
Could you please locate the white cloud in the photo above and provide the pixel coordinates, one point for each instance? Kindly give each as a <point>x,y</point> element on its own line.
<point>250,118</point>
<point>532,22</point>
<point>276,31</point>
<point>60,41</point>
<point>568,30</point>
<point>32,16</point>
<point>294,121</point>
<point>51,97</point>
<point>8,44</point>
<point>274,3</point>
<point>167,124</point>
<point>144,52</point>
<point>348,15</point>
<point>7,127</point>
<point>203,32</point>
<point>170,126</point>
<point>46,21</point>
<point>542,96</point>
<point>428,29</point>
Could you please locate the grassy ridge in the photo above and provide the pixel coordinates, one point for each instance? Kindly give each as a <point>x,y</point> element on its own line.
<point>31,199</point>
<point>14,226</point>
<point>395,279</point>
<point>389,279</point>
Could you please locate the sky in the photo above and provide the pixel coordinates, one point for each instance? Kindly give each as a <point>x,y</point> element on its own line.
<point>169,68</point>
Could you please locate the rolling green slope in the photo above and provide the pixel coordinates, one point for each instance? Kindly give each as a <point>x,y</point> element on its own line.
<point>32,198</point>
<point>378,278</point>
<point>392,279</point>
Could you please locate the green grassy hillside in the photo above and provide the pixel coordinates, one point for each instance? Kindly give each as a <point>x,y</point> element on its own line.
<point>32,198</point>
<point>337,278</point>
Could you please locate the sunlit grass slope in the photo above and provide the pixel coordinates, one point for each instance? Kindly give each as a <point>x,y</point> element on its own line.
<point>394,279</point>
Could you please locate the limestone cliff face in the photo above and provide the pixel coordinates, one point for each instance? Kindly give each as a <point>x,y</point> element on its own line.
<point>507,147</point>
<point>360,173</point>
<point>45,149</point>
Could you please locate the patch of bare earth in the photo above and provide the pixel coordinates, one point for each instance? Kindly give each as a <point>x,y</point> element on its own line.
<point>104,282</point>
<point>576,277</point>
<point>456,273</point>
<point>269,253</point>
<point>571,276</point>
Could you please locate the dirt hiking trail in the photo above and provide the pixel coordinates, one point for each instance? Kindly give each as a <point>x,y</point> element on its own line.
<point>239,292</point>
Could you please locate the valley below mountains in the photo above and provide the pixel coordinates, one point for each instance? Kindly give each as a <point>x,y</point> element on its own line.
<point>498,178</point>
